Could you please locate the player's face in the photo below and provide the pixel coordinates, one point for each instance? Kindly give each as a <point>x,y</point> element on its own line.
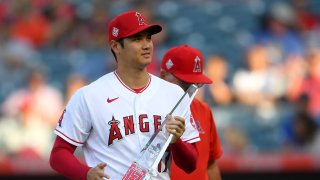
<point>171,78</point>
<point>137,50</point>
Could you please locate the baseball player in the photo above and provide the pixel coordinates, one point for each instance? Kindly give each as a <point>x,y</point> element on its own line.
<point>182,65</point>
<point>113,117</point>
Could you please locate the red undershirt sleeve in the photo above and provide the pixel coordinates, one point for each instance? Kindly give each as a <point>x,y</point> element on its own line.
<point>185,155</point>
<point>64,162</point>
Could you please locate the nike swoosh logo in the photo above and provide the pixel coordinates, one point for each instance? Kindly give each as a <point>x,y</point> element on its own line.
<point>111,100</point>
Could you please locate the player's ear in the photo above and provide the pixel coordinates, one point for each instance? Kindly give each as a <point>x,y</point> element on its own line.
<point>115,46</point>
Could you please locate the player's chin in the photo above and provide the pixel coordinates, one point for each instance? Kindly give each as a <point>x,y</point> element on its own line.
<point>146,58</point>
<point>146,61</point>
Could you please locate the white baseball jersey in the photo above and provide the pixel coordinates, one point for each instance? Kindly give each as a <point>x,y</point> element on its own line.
<point>113,123</point>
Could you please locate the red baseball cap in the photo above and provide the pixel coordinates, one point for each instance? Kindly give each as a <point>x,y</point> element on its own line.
<point>186,63</point>
<point>128,24</point>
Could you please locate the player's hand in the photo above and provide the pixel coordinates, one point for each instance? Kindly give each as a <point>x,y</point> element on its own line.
<point>97,173</point>
<point>176,126</point>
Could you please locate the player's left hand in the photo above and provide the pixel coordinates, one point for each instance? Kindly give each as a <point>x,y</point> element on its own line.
<point>176,126</point>
<point>97,173</point>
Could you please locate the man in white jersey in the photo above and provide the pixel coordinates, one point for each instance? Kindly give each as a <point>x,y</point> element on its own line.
<point>114,117</point>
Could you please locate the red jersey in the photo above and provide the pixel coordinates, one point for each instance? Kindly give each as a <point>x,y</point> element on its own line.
<point>209,146</point>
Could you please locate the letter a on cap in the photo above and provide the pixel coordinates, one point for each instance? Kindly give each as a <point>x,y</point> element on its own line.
<point>197,67</point>
<point>140,19</point>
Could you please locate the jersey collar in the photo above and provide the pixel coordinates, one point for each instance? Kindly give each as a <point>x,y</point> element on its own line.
<point>137,91</point>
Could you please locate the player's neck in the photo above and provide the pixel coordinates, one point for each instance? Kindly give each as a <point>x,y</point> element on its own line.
<point>133,78</point>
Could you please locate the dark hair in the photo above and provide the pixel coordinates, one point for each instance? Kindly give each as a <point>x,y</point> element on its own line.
<point>122,45</point>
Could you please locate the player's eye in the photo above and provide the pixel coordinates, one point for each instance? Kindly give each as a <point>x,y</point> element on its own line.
<point>137,38</point>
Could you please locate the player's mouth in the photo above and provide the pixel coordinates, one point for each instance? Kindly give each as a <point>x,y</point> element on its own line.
<point>146,55</point>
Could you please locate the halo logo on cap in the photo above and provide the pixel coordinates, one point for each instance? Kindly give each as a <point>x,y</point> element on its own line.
<point>169,64</point>
<point>140,19</point>
<point>197,66</point>
<point>115,32</point>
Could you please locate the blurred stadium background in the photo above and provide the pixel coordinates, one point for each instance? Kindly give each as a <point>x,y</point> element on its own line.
<point>263,56</point>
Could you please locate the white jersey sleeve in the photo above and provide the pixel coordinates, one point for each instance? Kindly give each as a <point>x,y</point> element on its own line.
<point>74,125</point>
<point>190,135</point>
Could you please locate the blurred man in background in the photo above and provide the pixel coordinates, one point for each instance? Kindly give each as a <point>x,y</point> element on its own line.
<point>182,65</point>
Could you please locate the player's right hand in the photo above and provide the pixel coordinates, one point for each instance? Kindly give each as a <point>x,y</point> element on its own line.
<point>97,173</point>
<point>176,126</point>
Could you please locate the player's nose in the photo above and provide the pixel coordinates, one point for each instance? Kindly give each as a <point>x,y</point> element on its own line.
<point>146,43</point>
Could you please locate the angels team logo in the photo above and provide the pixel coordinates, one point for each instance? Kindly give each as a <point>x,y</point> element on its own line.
<point>140,19</point>
<point>169,64</point>
<point>199,128</point>
<point>115,32</point>
<point>196,124</point>
<point>114,130</point>
<point>197,67</point>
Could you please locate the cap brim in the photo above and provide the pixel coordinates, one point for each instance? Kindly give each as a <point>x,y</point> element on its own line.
<point>153,28</point>
<point>194,78</point>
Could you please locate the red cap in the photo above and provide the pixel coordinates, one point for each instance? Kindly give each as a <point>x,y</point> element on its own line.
<point>128,24</point>
<point>186,63</point>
